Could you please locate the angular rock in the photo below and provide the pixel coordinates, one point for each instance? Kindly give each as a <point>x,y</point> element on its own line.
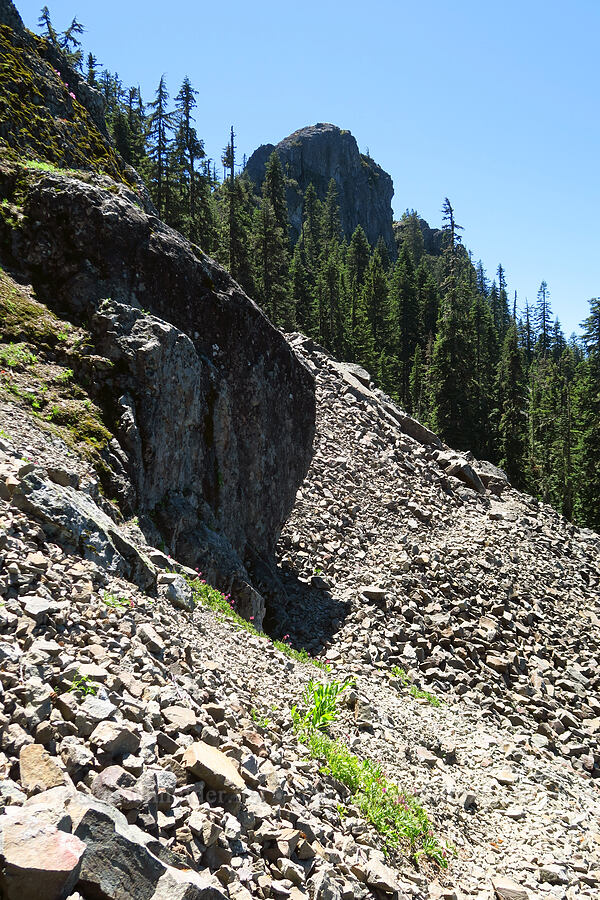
<point>116,857</point>
<point>506,889</point>
<point>39,771</point>
<point>73,517</point>
<point>213,767</point>
<point>114,739</point>
<point>38,860</point>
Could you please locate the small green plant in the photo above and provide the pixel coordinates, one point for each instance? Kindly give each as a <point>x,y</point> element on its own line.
<point>397,672</point>
<point>116,602</point>
<point>38,166</point>
<point>302,655</point>
<point>225,605</point>
<point>63,335</point>
<point>15,355</point>
<point>413,690</point>
<point>320,701</point>
<point>65,376</point>
<point>262,721</point>
<point>419,694</point>
<point>397,816</point>
<point>81,684</point>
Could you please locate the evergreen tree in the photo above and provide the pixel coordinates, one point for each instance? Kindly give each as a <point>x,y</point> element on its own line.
<point>310,237</point>
<point>483,285</point>
<point>159,134</point>
<point>428,300</point>
<point>189,150</point>
<point>587,502</point>
<point>70,44</point>
<point>271,269</point>
<point>543,320</point>
<point>528,335</point>
<point>412,236</point>
<point>512,398</point>
<point>404,327</point>
<point>357,260</point>
<point>485,360</point>
<point>235,208</point>
<point>384,253</point>
<point>452,371</point>
<point>557,341</point>
<point>500,309</point>
<point>92,70</point>
<point>332,300</point>
<point>274,189</point>
<point>331,229</point>
<point>375,298</point>
<point>49,32</point>
<point>302,288</point>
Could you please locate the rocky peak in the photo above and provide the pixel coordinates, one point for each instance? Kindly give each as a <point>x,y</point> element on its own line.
<point>318,153</point>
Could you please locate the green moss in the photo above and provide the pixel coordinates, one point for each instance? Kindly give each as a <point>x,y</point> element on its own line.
<point>40,119</point>
<point>39,353</point>
<point>24,319</point>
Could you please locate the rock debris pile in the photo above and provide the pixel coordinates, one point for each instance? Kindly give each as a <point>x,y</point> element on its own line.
<point>146,744</point>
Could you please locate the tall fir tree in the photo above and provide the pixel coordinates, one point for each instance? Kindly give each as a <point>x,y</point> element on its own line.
<point>512,400</point>
<point>159,134</point>
<point>587,470</point>
<point>543,320</point>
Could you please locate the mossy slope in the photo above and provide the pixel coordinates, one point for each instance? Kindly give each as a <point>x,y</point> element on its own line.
<point>42,367</point>
<point>40,115</point>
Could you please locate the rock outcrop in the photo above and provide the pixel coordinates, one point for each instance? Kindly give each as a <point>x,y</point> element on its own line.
<point>207,399</point>
<point>317,154</point>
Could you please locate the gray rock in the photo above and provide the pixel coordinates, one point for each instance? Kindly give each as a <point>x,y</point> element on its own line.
<point>73,517</point>
<point>177,591</point>
<point>38,859</point>
<point>316,154</point>
<point>115,858</point>
<point>115,739</point>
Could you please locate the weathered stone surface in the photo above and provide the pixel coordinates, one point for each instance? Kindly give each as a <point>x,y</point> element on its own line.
<point>116,858</point>
<point>114,738</point>
<point>506,889</point>
<point>216,403</point>
<point>316,154</point>
<point>37,860</point>
<point>213,767</point>
<point>177,885</point>
<point>176,589</point>
<point>73,516</point>
<point>180,717</point>
<point>39,771</point>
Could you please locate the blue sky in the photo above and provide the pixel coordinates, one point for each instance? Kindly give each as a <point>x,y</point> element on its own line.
<point>493,105</point>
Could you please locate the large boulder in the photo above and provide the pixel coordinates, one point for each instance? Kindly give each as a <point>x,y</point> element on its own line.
<point>37,858</point>
<point>214,410</point>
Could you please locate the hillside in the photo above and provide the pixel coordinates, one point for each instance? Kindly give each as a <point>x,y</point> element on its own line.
<point>263,634</point>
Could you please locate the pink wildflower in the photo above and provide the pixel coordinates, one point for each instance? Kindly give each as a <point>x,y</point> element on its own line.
<point>71,94</point>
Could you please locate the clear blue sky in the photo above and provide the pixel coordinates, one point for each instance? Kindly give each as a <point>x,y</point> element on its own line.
<point>494,105</point>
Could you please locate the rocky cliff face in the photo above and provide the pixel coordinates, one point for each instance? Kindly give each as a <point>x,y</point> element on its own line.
<point>316,155</point>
